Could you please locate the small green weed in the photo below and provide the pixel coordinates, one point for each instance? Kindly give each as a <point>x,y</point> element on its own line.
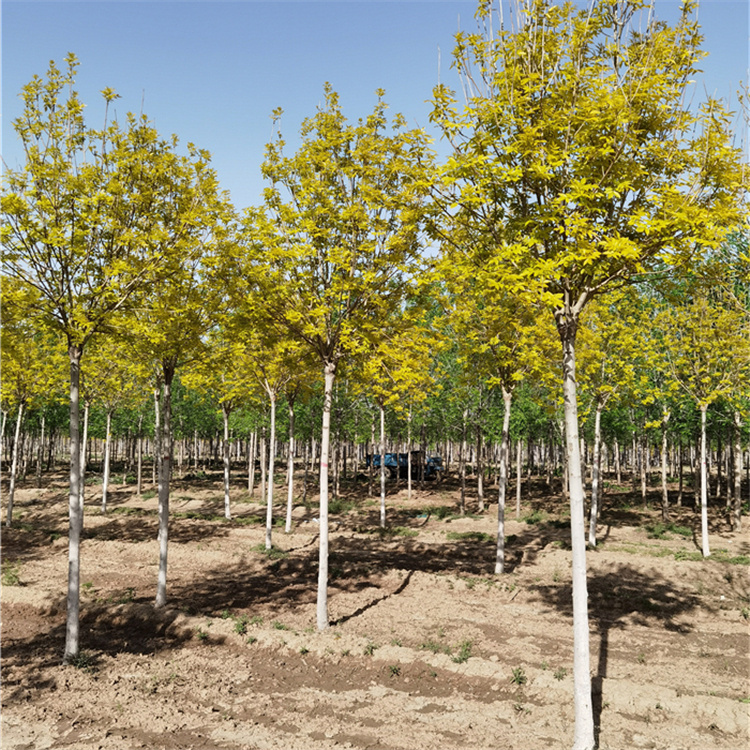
<point>519,676</point>
<point>340,506</point>
<point>251,639</point>
<point>464,652</point>
<point>560,673</point>
<point>256,620</point>
<point>395,670</point>
<point>396,642</point>
<point>202,635</point>
<point>545,666</point>
<point>745,612</point>
<point>280,625</point>
<point>85,660</point>
<point>641,658</point>
<point>304,650</point>
<point>370,649</point>
<point>11,575</point>
<point>240,624</point>
<point>435,647</point>
<point>148,495</point>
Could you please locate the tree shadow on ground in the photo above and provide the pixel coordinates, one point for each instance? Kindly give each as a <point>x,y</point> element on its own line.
<point>617,597</point>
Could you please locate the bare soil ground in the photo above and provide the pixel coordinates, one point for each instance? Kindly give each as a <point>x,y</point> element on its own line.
<point>428,650</point>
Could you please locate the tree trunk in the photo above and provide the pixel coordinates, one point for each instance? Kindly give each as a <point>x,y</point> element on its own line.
<point>139,478</point>
<point>382,466</point>
<point>290,480</point>
<point>503,482</point>
<point>584,717</point>
<point>370,468</point>
<point>408,455</point>
<point>480,470</point>
<point>39,454</point>
<point>462,462</point>
<point>251,461</point>
<point>664,489</point>
<point>329,373</point>
<point>82,474</point>
<point>165,466</point>
<point>14,466</point>
<point>263,465</point>
<point>226,410</point>
<point>271,461</point>
<point>107,448</point>
<point>704,484</point>
<point>595,472</point>
<point>737,506</point>
<point>157,434</point>
<point>519,477</point>
<point>75,515</point>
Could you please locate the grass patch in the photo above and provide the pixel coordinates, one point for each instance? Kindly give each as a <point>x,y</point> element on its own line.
<point>340,506</point>
<point>435,647</point>
<point>661,530</point>
<point>469,536</point>
<point>401,531</point>
<point>464,652</point>
<point>11,573</point>
<point>536,516</point>
<point>272,554</point>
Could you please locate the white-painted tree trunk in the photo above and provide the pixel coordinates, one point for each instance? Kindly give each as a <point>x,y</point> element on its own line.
<point>226,410</point>
<point>290,471</point>
<point>271,461</point>
<point>82,474</point>
<point>382,466</point>
<point>584,738</point>
<point>408,455</point>
<point>40,454</point>
<point>329,373</point>
<point>704,485</point>
<point>664,450</point>
<point>737,505</point>
<point>503,484</point>
<point>75,521</point>
<point>165,466</point>
<point>139,478</point>
<point>14,465</point>
<point>105,473</point>
<point>594,512</point>
<point>519,479</point>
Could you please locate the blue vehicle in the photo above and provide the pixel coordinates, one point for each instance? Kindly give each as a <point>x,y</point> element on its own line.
<point>399,463</point>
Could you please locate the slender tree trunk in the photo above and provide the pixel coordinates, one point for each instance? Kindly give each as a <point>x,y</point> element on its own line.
<point>139,478</point>
<point>82,475</point>
<point>382,466</point>
<point>737,506</point>
<point>107,448</point>
<point>584,717</point>
<point>408,455</point>
<point>290,480</point>
<point>664,446</point>
<point>480,470</point>
<point>519,477</point>
<point>226,410</point>
<point>329,373</point>
<point>157,434</point>
<point>305,463</point>
<point>370,468</point>
<point>618,470</point>
<point>251,462</point>
<point>263,465</point>
<point>40,454</point>
<point>642,465</point>
<point>75,520</point>
<point>165,467</point>
<point>462,461</point>
<point>271,462</point>
<point>595,472</point>
<point>504,460</point>
<point>704,484</point>
<point>14,465</point>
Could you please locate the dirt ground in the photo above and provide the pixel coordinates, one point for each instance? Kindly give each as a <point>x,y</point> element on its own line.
<point>428,649</point>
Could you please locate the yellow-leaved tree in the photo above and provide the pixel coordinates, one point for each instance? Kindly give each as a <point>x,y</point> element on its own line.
<point>578,159</point>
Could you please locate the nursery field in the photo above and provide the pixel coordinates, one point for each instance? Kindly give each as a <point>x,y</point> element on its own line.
<point>428,650</point>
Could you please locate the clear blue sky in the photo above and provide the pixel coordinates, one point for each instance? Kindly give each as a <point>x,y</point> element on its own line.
<point>212,71</point>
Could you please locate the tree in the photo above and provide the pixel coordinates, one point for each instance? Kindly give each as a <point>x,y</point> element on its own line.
<point>708,348</point>
<point>87,222</point>
<point>577,157</point>
<point>338,246</point>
